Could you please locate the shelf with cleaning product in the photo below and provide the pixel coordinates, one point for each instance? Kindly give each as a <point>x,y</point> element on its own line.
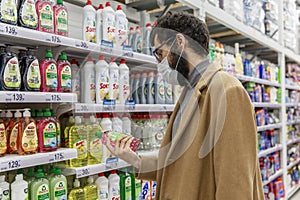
<point>14,162</point>
<point>293,141</point>
<point>256,80</point>
<point>266,105</point>
<point>273,177</point>
<point>269,127</point>
<point>297,104</point>
<point>293,122</point>
<point>292,87</point>
<point>292,164</point>
<point>263,153</point>
<point>292,191</point>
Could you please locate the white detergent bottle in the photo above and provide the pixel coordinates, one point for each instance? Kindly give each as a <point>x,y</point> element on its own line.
<point>168,93</point>
<point>106,125</point>
<point>88,94</point>
<point>121,28</point>
<point>142,90</point>
<point>136,89</point>
<point>146,42</point>
<point>114,185</point>
<point>19,188</point>
<point>150,87</point>
<point>99,25</point>
<point>89,22</point>
<point>124,82</point>
<point>75,78</point>
<point>114,81</point>
<point>159,86</point>
<point>138,40</point>
<point>117,124</point>
<point>131,36</point>
<point>5,188</point>
<point>102,187</point>
<point>126,124</point>
<point>108,23</point>
<point>102,80</point>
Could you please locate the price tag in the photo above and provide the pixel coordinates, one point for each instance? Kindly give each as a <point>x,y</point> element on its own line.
<point>15,97</point>
<point>84,108</point>
<point>106,47</point>
<point>56,157</point>
<point>10,30</point>
<point>53,98</point>
<point>83,172</point>
<point>11,165</point>
<point>81,44</point>
<point>127,51</point>
<point>54,39</point>
<point>112,163</point>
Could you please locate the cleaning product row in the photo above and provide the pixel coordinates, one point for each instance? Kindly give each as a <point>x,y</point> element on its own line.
<point>293,177</point>
<point>25,72</point>
<point>40,15</point>
<point>269,165</point>
<point>36,186</point>
<point>263,93</point>
<point>274,190</point>
<point>23,132</point>
<point>103,82</point>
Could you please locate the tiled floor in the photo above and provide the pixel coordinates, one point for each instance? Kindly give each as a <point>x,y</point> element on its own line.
<point>296,196</point>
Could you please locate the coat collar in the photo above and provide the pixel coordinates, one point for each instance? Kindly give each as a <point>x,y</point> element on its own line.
<point>190,109</point>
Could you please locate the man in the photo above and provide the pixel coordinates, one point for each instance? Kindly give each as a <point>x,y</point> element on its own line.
<point>209,149</point>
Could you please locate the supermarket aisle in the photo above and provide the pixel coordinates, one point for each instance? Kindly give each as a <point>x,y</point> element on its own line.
<point>296,196</point>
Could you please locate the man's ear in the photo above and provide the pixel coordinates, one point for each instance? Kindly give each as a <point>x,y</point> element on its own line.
<point>181,40</point>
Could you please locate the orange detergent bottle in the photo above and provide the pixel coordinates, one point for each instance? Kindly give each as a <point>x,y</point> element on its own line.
<point>15,126</point>
<point>3,138</point>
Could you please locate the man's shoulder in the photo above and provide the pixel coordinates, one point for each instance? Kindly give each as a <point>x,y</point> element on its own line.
<point>225,81</point>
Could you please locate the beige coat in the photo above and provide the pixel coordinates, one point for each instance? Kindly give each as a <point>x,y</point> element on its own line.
<point>213,155</point>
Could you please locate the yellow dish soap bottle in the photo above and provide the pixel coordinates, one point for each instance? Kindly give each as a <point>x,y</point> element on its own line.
<point>238,60</point>
<point>76,193</point>
<point>78,140</point>
<point>95,146</point>
<point>90,190</point>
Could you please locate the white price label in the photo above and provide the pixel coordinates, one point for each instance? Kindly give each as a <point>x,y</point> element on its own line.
<point>128,54</point>
<point>15,97</point>
<point>56,157</point>
<point>84,108</point>
<point>53,98</point>
<point>54,39</point>
<point>10,30</point>
<point>11,165</point>
<point>107,50</point>
<point>112,163</point>
<point>83,172</point>
<point>81,44</point>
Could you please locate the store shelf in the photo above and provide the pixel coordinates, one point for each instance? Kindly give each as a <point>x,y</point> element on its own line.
<point>80,172</point>
<point>293,141</point>
<point>14,162</point>
<point>33,38</point>
<point>266,105</point>
<point>292,87</point>
<point>263,153</point>
<point>98,108</point>
<point>269,127</point>
<point>292,191</point>
<point>297,104</point>
<point>36,97</point>
<point>293,122</point>
<point>273,177</point>
<point>292,164</point>
<point>256,80</point>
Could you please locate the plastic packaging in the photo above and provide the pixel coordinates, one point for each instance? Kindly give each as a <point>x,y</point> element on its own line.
<point>126,124</point>
<point>142,90</point>
<point>108,24</point>
<point>39,188</point>
<point>106,125</point>
<point>5,188</point>
<point>135,87</point>
<point>3,138</point>
<point>95,146</point>
<point>15,126</point>
<point>60,13</point>
<point>45,16</point>
<point>8,12</point>
<point>27,14</point>
<point>124,82</point>
<point>117,123</point>
<point>113,81</point>
<point>147,49</point>
<point>89,22</point>
<point>76,193</point>
<point>90,190</point>
<point>138,40</point>
<point>113,136</point>
<point>58,186</point>
<point>88,94</point>
<point>99,24</point>
<point>102,187</point>
<point>19,188</point>
<point>114,185</point>
<point>131,35</point>
<point>58,128</point>
<point>168,93</point>
<point>75,78</point>
<point>102,80</point>
<point>239,67</point>
<point>121,28</point>
<point>64,72</point>
<point>159,86</point>
<point>48,69</point>
<point>125,186</point>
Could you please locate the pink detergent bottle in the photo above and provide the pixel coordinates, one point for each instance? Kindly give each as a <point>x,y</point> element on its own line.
<point>64,74</point>
<point>48,70</point>
<point>60,19</point>
<point>44,10</point>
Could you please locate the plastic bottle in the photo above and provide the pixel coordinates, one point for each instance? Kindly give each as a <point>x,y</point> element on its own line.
<point>8,12</point>
<point>114,185</point>
<point>88,94</point>
<point>146,41</point>
<point>64,73</point>
<point>168,93</point>
<point>5,188</point>
<point>10,72</point>
<point>58,128</point>
<point>76,193</point>
<point>28,136</point>
<point>132,79</point>
<point>138,40</point>
<point>89,22</point>
<point>99,24</point>
<point>90,190</point>
<point>102,80</point>
<point>15,127</point>
<point>39,188</point>
<point>19,188</point>
<point>75,78</point>
<point>9,124</point>
<point>58,186</point>
<point>108,15</point>
<point>44,10</point>
<point>113,81</point>
<point>238,61</point>
<point>125,186</point>
<point>60,14</point>
<point>30,72</point>
<point>142,90</point>
<point>106,125</point>
<point>159,86</point>
<point>117,124</point>
<point>27,14</point>
<point>95,147</point>
<point>78,140</point>
<point>1,194</point>
<point>50,173</point>
<point>47,133</point>
<point>3,138</point>
<point>124,82</point>
<point>121,28</point>
<point>102,187</point>
<point>131,36</point>
<point>126,124</point>
<point>70,123</point>
<point>135,88</point>
<point>150,88</point>
<point>48,70</point>
<point>30,176</point>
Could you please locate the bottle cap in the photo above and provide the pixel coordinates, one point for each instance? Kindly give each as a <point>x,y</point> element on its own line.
<point>52,113</point>
<point>57,171</point>
<point>105,115</point>
<point>20,171</point>
<point>119,7</point>
<point>101,174</point>
<point>74,62</point>
<point>30,172</point>
<point>78,120</point>
<point>71,120</point>
<point>8,114</point>
<point>90,179</point>
<point>101,57</point>
<point>137,28</point>
<point>131,28</point>
<point>59,2</point>
<point>107,4</point>
<point>123,61</point>
<point>93,119</point>
<point>101,6</point>
<point>26,112</point>
<point>115,115</point>
<point>89,2</point>
<point>113,60</point>
<point>63,56</point>
<point>125,115</point>
<point>148,25</point>
<point>90,59</point>
<point>76,183</point>
<point>51,169</point>
<point>40,173</point>
<point>40,113</point>
<point>18,114</point>
<point>47,113</point>
<point>33,113</point>
<point>2,178</point>
<point>113,172</point>
<point>19,177</point>
<point>49,54</point>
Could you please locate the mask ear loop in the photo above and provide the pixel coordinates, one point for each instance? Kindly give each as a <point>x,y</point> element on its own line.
<point>179,58</point>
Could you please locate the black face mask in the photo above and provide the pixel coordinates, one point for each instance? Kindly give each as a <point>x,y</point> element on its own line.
<point>182,66</point>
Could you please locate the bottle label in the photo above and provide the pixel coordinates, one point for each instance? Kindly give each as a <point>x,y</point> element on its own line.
<point>66,77</point>
<point>6,194</point>
<point>153,89</point>
<point>109,22</point>
<point>122,36</point>
<point>76,84</point>
<point>92,88</point>
<point>115,191</point>
<point>169,91</point>
<point>13,137</point>
<point>128,188</point>
<point>8,10</point>
<point>49,134</point>
<point>138,190</point>
<point>58,133</point>
<point>146,194</point>
<point>33,75</point>
<point>96,148</point>
<point>125,86</point>
<point>139,43</point>
<point>104,85</point>
<point>81,147</point>
<point>90,29</point>
<point>30,139</point>
<point>62,21</point>
<point>46,16</point>
<point>28,13</point>
<point>154,185</point>
<point>51,76</point>
<point>3,140</point>
<point>103,193</point>
<point>161,90</point>
<point>115,86</point>
<point>60,191</point>
<point>12,76</point>
<point>43,192</point>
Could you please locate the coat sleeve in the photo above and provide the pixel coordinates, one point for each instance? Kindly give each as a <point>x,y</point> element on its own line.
<point>235,153</point>
<point>148,168</point>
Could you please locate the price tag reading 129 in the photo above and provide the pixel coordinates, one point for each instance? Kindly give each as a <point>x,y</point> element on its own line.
<point>11,165</point>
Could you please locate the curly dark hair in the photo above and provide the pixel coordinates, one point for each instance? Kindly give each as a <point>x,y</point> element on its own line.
<point>186,24</point>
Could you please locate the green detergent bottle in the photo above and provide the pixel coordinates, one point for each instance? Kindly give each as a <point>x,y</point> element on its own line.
<point>39,188</point>
<point>58,186</point>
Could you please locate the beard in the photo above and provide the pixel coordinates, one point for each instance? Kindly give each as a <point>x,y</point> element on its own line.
<point>180,64</point>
